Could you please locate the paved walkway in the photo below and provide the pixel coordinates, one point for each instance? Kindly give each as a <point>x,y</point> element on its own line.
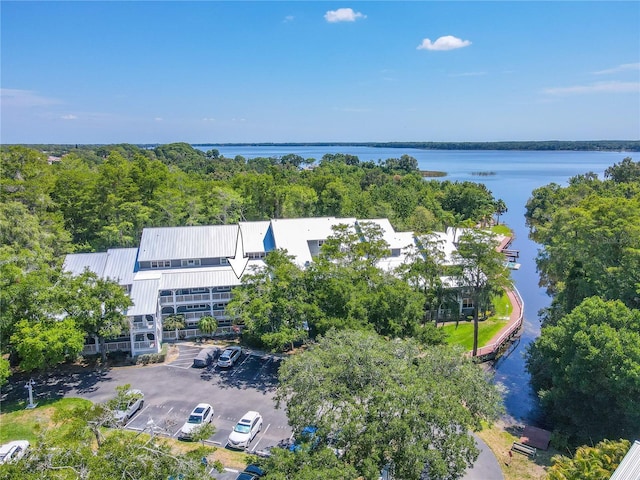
<point>486,466</point>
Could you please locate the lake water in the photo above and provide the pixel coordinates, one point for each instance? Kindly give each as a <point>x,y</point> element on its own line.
<point>516,175</point>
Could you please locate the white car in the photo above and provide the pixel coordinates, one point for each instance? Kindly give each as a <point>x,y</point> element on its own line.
<point>203,413</point>
<point>13,451</point>
<point>132,402</point>
<point>230,356</point>
<point>245,430</point>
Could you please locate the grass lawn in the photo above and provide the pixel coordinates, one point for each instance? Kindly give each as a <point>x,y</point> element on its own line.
<point>501,229</point>
<point>16,423</point>
<point>487,329</point>
<point>463,335</point>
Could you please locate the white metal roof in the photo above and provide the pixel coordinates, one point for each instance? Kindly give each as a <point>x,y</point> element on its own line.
<point>76,263</point>
<point>198,278</point>
<point>144,295</point>
<point>389,235</point>
<point>176,243</point>
<point>253,234</point>
<point>629,468</point>
<point>293,234</point>
<point>116,263</point>
<point>120,265</point>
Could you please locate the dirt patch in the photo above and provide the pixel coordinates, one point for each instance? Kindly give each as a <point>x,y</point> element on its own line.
<point>500,437</point>
<point>172,354</point>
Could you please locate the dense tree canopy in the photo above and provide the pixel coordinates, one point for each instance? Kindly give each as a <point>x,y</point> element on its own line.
<point>590,463</point>
<point>590,233</point>
<point>383,403</point>
<point>587,364</point>
<point>343,288</point>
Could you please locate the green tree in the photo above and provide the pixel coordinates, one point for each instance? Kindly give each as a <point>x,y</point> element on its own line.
<point>46,343</point>
<point>386,402</point>
<point>587,364</point>
<point>5,370</point>
<point>174,322</point>
<point>590,463</point>
<point>481,271</point>
<point>501,209</point>
<point>98,306</point>
<point>119,455</point>
<point>203,432</point>
<point>273,303</point>
<point>323,463</point>
<point>208,325</point>
<point>625,171</point>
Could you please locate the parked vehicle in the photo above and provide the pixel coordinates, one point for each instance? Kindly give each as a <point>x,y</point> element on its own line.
<point>245,430</point>
<point>308,435</point>
<point>13,451</point>
<point>205,357</point>
<point>203,413</point>
<point>252,472</point>
<point>230,356</point>
<point>132,402</point>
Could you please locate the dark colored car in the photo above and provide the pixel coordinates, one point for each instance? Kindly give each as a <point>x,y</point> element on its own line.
<point>206,357</point>
<point>251,473</point>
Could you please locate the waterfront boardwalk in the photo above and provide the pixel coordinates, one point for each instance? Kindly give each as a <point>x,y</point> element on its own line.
<point>501,340</point>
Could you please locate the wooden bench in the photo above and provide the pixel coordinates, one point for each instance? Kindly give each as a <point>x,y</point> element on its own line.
<point>524,449</point>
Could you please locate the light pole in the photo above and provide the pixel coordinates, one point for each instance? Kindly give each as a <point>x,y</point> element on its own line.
<point>29,386</point>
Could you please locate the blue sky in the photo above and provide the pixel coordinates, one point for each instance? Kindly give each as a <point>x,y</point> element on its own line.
<point>306,71</point>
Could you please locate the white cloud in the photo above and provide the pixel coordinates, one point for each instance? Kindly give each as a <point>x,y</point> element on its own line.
<point>448,42</point>
<point>343,15</point>
<point>599,87</point>
<point>289,18</point>
<point>12,97</point>
<point>68,117</point>
<point>158,119</point>
<point>620,68</point>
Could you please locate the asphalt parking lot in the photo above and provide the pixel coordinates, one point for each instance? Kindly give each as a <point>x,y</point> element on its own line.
<point>173,389</point>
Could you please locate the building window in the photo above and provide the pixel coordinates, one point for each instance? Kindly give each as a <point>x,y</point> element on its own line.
<point>199,290</point>
<point>467,303</point>
<point>160,263</point>
<point>195,307</point>
<point>255,255</point>
<point>223,289</point>
<point>192,262</point>
<point>224,261</point>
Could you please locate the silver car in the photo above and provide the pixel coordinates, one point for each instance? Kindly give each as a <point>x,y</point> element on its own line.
<point>132,402</point>
<point>230,356</point>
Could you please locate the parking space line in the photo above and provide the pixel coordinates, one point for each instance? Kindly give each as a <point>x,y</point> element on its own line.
<point>239,365</point>
<point>259,372</point>
<point>135,416</point>
<point>261,437</point>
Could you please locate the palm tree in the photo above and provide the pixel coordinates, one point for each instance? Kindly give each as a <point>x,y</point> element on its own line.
<point>208,325</point>
<point>174,322</point>
<point>481,271</point>
<point>501,208</point>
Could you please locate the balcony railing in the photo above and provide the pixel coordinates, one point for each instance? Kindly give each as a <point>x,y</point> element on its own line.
<point>142,326</point>
<point>195,297</point>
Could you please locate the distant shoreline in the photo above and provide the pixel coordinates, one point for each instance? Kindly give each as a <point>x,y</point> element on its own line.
<point>551,145</point>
